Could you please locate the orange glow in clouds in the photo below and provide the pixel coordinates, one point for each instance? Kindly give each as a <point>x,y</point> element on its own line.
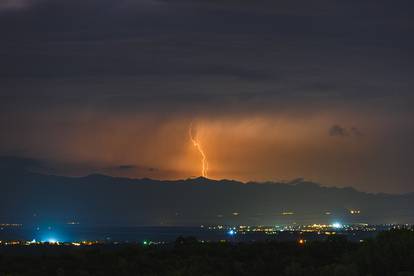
<point>197,145</point>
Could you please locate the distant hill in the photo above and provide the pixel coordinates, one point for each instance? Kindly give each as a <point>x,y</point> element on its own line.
<point>28,197</point>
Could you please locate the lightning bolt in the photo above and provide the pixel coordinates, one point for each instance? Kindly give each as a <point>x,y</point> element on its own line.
<point>198,146</point>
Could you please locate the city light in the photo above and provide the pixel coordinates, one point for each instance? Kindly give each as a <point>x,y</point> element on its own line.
<point>52,240</point>
<point>231,232</point>
<point>356,232</point>
<point>337,225</point>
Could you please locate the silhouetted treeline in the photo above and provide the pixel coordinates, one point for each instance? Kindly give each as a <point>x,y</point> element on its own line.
<point>390,253</point>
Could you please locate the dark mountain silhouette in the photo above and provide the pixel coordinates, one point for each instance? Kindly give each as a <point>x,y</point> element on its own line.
<point>28,197</point>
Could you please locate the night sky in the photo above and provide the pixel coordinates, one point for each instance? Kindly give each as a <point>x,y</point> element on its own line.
<point>272,90</point>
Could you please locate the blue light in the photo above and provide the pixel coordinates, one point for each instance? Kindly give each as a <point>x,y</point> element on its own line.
<point>337,225</point>
<point>55,235</point>
<point>50,240</point>
<point>231,232</point>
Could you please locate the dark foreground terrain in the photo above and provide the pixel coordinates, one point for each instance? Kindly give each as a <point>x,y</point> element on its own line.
<point>390,253</point>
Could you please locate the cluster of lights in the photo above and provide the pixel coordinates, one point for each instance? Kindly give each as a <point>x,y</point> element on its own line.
<point>327,229</point>
<point>273,230</point>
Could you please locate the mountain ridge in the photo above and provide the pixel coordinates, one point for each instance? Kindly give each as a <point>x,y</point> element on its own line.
<point>104,199</point>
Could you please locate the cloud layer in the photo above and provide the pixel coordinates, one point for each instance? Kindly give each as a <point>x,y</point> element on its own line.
<point>92,85</point>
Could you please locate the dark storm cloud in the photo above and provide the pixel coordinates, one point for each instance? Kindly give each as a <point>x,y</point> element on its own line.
<point>199,52</point>
<point>337,130</point>
<point>340,131</point>
<point>67,65</point>
<point>126,167</point>
<point>356,132</point>
<point>195,55</point>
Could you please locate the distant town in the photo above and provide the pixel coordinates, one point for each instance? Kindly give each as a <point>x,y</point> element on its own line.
<point>213,233</point>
